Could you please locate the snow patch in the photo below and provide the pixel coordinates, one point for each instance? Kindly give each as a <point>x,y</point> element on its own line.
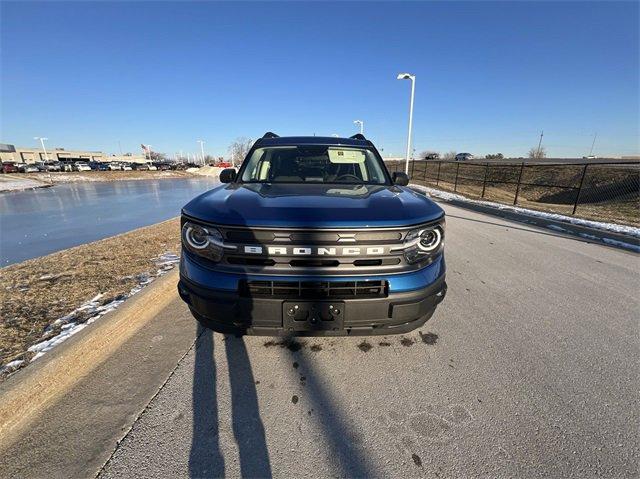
<point>74,322</point>
<point>616,228</point>
<point>11,366</point>
<point>11,183</point>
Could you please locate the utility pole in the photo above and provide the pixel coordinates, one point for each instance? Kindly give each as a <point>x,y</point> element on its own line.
<point>540,142</point>
<point>46,156</point>
<point>201,149</point>
<point>408,76</point>
<point>120,147</point>
<point>595,135</point>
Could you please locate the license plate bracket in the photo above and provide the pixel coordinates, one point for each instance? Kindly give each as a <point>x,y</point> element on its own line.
<point>313,315</point>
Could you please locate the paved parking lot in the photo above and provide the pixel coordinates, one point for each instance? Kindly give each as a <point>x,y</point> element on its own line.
<point>529,367</point>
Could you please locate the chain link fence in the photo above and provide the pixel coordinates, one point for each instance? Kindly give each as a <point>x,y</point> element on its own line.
<point>597,191</point>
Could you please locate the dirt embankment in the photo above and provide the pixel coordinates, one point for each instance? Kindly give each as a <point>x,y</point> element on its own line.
<point>83,176</point>
<point>25,181</point>
<point>76,283</point>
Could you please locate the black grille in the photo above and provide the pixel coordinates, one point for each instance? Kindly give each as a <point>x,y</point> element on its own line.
<point>280,236</point>
<point>314,289</point>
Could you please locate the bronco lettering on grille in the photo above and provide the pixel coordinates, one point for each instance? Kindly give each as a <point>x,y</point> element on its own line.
<point>316,251</point>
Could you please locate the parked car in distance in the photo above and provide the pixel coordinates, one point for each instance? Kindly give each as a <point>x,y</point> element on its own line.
<point>114,166</point>
<point>140,166</point>
<point>432,156</point>
<point>98,166</point>
<point>9,167</point>
<point>126,167</point>
<point>52,165</point>
<point>66,166</point>
<point>464,157</point>
<point>224,164</point>
<point>81,166</point>
<point>152,167</point>
<point>161,165</point>
<point>179,166</point>
<point>28,168</point>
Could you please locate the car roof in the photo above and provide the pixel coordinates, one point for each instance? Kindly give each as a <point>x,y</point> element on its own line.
<point>311,140</point>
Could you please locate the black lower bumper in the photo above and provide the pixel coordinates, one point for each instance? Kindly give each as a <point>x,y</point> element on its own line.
<point>228,312</point>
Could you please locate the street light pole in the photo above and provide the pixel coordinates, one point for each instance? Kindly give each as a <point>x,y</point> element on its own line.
<point>149,151</point>
<point>361,123</point>
<point>46,156</point>
<point>593,144</point>
<point>201,149</point>
<point>408,76</point>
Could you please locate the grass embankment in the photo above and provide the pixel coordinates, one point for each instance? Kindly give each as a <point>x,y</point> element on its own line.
<point>35,293</point>
<point>84,176</point>
<point>609,193</point>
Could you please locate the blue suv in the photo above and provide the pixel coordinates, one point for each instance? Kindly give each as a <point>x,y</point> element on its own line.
<point>312,236</point>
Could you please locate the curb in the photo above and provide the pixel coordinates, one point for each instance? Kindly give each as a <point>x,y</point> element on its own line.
<point>25,395</point>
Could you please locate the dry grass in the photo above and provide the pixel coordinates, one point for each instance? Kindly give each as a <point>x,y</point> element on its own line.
<point>36,292</point>
<point>82,176</point>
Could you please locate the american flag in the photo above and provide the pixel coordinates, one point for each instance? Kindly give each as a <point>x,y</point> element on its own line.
<point>145,148</point>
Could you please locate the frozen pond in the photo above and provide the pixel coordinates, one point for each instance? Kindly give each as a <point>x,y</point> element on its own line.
<point>38,222</point>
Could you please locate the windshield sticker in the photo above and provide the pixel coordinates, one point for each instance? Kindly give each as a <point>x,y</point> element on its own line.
<point>338,155</point>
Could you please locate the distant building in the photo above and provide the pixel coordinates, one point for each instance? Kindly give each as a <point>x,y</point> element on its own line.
<point>32,155</point>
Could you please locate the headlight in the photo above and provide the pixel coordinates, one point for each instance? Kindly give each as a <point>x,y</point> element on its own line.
<point>206,242</point>
<point>423,243</point>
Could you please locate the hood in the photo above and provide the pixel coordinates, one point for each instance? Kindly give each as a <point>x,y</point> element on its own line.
<point>312,205</point>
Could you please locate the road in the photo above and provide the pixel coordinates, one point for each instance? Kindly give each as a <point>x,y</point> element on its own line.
<point>528,368</point>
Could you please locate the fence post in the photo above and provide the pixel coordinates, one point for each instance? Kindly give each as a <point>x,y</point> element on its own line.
<point>438,177</point>
<point>413,165</point>
<point>424,177</point>
<point>455,185</point>
<point>515,200</point>
<point>484,181</point>
<point>575,205</point>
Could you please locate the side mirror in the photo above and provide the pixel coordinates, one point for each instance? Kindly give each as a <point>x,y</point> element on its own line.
<point>400,179</point>
<point>228,175</point>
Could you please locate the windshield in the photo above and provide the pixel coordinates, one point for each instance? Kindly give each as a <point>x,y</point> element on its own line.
<point>314,164</point>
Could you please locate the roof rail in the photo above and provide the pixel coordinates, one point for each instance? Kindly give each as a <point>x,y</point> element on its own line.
<point>270,134</point>
<point>358,136</point>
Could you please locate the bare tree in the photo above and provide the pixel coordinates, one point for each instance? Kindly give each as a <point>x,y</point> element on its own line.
<point>537,153</point>
<point>238,150</point>
<point>496,156</point>
<point>157,156</point>
<point>449,156</point>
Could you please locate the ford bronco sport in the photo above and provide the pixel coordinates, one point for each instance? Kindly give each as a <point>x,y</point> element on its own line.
<point>312,236</point>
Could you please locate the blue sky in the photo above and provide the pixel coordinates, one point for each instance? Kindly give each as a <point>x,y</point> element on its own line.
<point>490,76</point>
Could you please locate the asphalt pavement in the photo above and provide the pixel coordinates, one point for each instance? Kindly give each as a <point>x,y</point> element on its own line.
<point>528,368</point>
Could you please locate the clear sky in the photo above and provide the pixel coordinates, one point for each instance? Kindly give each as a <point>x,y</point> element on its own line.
<point>490,76</point>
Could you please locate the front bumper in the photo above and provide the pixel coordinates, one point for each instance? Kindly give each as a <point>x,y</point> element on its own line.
<point>228,312</point>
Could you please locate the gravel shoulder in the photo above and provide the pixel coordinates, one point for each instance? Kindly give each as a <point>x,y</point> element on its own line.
<point>36,293</point>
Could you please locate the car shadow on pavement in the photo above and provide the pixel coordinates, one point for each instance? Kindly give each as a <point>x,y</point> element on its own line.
<point>346,444</point>
<point>206,459</point>
<point>248,429</point>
